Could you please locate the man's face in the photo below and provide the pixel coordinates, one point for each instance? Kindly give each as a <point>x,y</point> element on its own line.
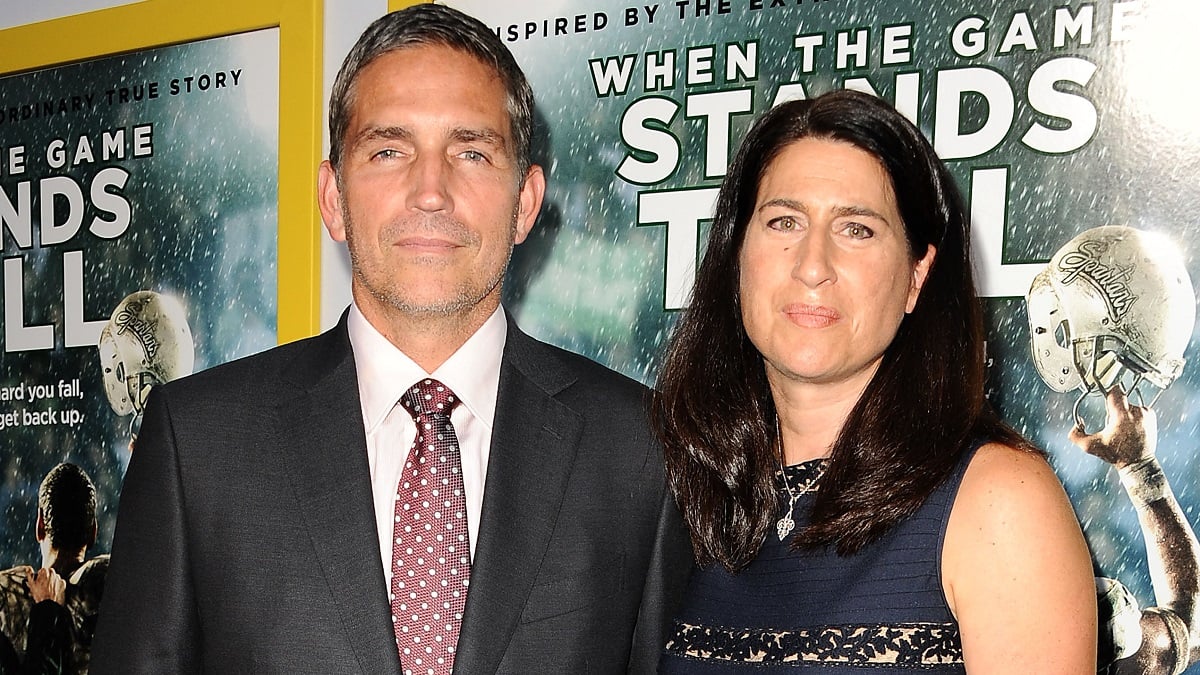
<point>427,195</point>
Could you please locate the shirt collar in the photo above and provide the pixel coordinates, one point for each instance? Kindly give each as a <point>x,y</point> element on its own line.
<point>385,372</point>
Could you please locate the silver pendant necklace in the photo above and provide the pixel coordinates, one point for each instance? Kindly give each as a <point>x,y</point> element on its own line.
<point>785,525</point>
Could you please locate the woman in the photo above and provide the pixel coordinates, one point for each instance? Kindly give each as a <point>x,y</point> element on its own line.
<point>834,331</point>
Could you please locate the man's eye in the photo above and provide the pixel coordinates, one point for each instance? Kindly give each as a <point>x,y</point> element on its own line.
<point>473,155</point>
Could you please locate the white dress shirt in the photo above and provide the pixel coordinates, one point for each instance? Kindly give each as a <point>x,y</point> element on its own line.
<point>385,373</point>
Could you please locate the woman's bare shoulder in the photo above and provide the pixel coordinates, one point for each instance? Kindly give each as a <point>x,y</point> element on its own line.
<point>1015,569</point>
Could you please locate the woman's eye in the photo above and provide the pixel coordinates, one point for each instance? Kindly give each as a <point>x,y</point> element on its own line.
<point>859,231</point>
<point>783,223</point>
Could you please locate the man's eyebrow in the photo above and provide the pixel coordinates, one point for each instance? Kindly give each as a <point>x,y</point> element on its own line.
<point>381,133</point>
<point>476,135</point>
<point>457,134</point>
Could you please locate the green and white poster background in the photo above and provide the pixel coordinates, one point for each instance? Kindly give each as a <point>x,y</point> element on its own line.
<point>157,171</point>
<point>1054,118</point>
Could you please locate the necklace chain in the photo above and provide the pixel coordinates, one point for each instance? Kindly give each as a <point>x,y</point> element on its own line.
<point>785,525</point>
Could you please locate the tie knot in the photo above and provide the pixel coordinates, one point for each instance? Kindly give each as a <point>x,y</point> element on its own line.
<point>428,397</point>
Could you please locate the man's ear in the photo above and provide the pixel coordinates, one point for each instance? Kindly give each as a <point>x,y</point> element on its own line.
<point>529,202</point>
<point>329,199</point>
<point>40,527</point>
<point>919,275</point>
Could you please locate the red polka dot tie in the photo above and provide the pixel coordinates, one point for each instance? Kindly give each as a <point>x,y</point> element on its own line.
<point>431,557</point>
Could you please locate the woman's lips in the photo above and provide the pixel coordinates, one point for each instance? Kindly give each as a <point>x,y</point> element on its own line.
<point>812,316</point>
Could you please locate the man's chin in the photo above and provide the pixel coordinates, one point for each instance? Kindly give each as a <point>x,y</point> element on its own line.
<point>435,306</point>
<point>427,299</point>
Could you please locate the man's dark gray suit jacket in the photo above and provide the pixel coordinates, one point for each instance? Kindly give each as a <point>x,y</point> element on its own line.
<point>246,538</point>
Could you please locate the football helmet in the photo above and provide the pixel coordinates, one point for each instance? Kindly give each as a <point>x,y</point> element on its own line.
<point>1119,621</point>
<point>146,342</point>
<point>1114,305</point>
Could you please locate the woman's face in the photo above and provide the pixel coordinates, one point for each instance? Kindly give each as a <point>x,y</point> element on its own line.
<point>826,272</point>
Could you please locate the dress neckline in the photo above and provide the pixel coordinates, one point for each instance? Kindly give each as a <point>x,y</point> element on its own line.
<point>803,476</point>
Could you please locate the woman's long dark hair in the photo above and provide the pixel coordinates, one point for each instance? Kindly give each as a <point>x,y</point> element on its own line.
<point>713,409</point>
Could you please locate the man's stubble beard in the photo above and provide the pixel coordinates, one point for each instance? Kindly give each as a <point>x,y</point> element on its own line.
<point>464,298</point>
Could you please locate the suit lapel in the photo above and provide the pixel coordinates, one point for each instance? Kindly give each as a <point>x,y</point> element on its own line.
<point>323,449</point>
<point>534,441</point>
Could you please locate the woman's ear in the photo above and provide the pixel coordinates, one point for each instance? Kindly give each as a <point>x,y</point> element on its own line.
<point>919,274</point>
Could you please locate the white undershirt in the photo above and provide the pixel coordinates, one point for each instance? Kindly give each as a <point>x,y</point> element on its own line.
<point>385,373</point>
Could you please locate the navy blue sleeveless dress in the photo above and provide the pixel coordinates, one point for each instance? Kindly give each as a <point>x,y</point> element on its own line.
<point>877,612</point>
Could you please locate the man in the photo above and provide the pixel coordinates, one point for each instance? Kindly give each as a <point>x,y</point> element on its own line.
<point>48,615</point>
<point>1160,639</point>
<point>272,515</point>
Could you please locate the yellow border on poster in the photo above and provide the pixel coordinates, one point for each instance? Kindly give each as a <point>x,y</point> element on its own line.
<point>156,23</point>
<point>394,5</point>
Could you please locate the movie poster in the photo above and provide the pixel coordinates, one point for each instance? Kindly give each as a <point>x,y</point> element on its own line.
<point>1056,119</point>
<point>139,216</point>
